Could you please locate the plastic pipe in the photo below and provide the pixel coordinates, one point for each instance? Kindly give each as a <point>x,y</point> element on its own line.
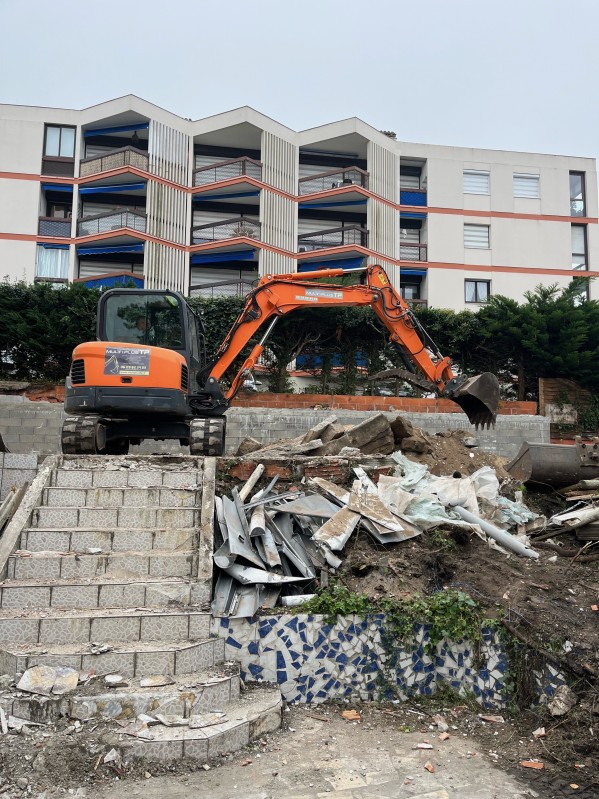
<point>505,539</point>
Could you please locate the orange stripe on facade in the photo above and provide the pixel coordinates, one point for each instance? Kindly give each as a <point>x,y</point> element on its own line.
<point>323,195</point>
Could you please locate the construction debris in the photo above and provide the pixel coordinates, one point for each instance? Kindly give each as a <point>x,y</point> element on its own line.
<point>48,681</point>
<point>278,546</point>
<point>562,701</point>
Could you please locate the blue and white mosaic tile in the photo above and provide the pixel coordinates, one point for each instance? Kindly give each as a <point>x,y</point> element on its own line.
<point>313,661</point>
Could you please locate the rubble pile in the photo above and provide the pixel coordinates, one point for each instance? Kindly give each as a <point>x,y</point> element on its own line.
<point>275,546</point>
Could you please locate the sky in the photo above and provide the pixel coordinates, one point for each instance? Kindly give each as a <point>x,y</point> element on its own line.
<point>513,75</point>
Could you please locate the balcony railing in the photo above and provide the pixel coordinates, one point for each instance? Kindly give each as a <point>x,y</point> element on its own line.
<point>412,252</point>
<point>53,226</point>
<point>112,220</point>
<point>333,180</point>
<point>419,303</point>
<point>226,229</point>
<point>412,197</point>
<point>223,288</point>
<point>115,159</point>
<point>225,170</point>
<point>334,237</point>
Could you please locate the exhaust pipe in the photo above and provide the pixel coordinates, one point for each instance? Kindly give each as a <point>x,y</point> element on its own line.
<point>477,396</point>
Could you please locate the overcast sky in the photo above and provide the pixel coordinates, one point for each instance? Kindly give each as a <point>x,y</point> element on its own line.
<point>504,74</point>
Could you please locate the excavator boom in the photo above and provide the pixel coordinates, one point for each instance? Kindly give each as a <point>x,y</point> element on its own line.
<point>277,295</point>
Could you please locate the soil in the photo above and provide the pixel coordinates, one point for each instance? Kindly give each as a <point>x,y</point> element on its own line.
<point>450,454</point>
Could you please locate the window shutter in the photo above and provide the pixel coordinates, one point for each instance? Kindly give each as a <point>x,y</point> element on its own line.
<point>476,182</point>
<point>476,236</point>
<point>526,186</point>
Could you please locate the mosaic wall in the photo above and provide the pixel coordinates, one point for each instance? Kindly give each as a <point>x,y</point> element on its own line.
<point>314,662</point>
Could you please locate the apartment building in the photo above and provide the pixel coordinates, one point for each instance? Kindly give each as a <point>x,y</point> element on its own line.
<point>126,191</point>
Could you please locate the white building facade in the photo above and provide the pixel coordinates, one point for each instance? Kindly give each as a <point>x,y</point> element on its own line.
<point>127,192</point>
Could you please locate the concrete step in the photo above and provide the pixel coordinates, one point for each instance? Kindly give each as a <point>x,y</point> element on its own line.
<point>256,713</point>
<point>138,659</point>
<point>68,565</point>
<point>120,497</point>
<point>78,626</point>
<point>100,477</point>
<point>190,694</point>
<point>111,518</point>
<point>37,539</point>
<point>102,592</point>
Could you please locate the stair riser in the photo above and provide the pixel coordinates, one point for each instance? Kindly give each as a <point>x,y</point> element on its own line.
<point>109,595</point>
<point>126,706</point>
<point>187,659</point>
<point>119,497</point>
<point>208,744</point>
<point>106,540</point>
<point>112,518</point>
<point>68,567</point>
<point>175,627</point>
<point>132,478</point>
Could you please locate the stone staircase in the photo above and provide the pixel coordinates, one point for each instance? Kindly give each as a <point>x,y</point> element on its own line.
<point>108,571</point>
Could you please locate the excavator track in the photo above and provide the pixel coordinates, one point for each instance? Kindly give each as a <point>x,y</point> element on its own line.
<point>207,436</point>
<point>79,435</point>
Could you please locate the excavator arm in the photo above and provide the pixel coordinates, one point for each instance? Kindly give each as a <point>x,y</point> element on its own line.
<point>277,295</point>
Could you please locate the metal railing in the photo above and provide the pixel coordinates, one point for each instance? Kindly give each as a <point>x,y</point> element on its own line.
<point>223,288</point>
<point>115,159</point>
<point>334,179</point>
<point>226,229</point>
<point>224,170</point>
<point>412,197</point>
<point>412,252</point>
<point>334,237</point>
<point>54,226</point>
<point>112,220</point>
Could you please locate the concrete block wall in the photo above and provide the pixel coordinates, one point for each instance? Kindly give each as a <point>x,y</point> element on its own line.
<point>270,424</point>
<point>35,426</point>
<point>16,469</point>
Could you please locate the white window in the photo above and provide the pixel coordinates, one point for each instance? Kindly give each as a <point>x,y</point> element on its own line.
<point>477,290</point>
<point>579,247</point>
<point>476,182</point>
<point>526,186</point>
<point>51,262</point>
<point>476,236</point>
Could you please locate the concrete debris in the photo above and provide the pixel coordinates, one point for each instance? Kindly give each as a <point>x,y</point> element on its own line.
<point>206,720</point>
<point>115,681</point>
<point>172,720</point>
<point>46,680</point>
<point>562,701</point>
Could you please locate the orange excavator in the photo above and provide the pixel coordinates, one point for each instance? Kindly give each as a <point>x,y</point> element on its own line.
<point>148,377</point>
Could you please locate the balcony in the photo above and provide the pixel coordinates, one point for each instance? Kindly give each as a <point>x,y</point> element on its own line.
<point>112,220</point>
<point>334,237</point>
<point>225,170</point>
<point>115,159</point>
<point>417,303</point>
<point>226,229</point>
<point>335,179</point>
<point>223,288</point>
<point>412,252</point>
<point>413,197</point>
<point>54,226</point>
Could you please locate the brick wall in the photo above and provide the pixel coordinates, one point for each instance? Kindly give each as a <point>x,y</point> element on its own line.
<point>351,403</point>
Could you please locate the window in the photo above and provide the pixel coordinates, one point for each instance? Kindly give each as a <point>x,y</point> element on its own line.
<point>579,247</point>
<point>581,290</point>
<point>410,291</point>
<point>59,210</point>
<point>52,262</point>
<point>476,236</point>
<point>577,194</point>
<point>477,290</point>
<point>60,142</point>
<point>526,186</point>
<point>476,182</point>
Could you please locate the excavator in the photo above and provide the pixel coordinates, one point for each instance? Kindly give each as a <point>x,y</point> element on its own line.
<point>148,376</point>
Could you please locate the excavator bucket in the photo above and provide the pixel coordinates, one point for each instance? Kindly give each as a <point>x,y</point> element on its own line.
<point>478,397</point>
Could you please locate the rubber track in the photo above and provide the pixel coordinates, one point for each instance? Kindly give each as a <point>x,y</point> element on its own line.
<point>79,435</point>
<point>207,436</point>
